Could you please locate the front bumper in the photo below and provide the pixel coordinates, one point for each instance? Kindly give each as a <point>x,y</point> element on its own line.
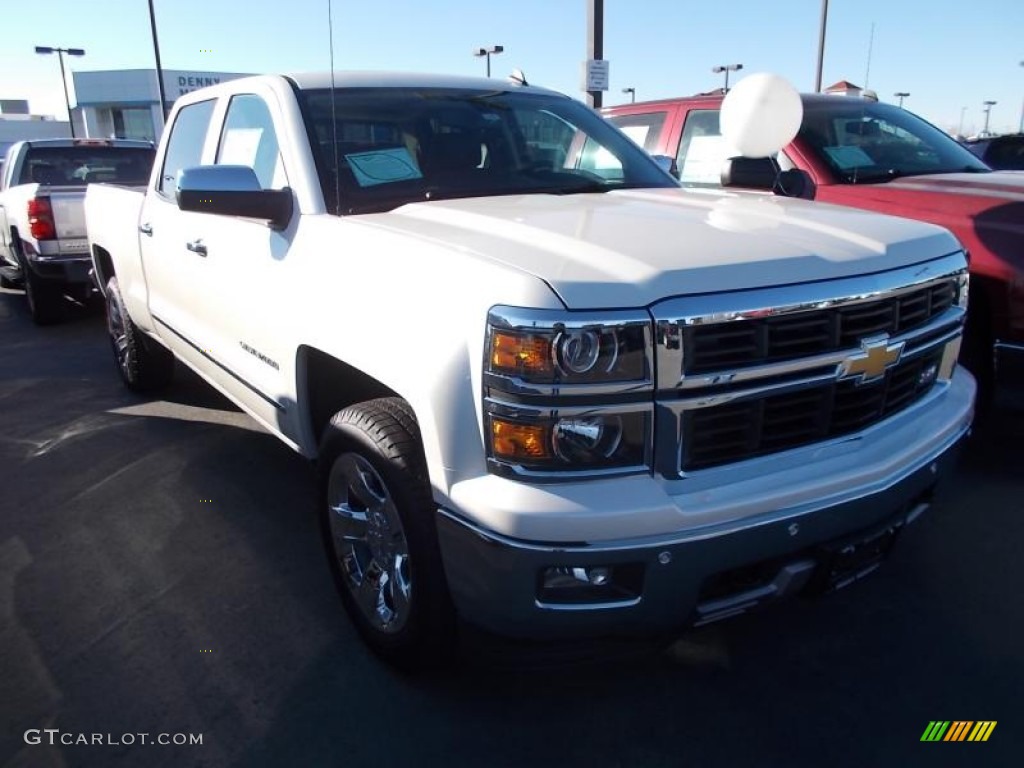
<point>681,578</point>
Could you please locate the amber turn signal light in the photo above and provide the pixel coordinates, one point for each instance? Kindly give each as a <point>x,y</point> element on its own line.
<point>520,441</point>
<point>520,353</point>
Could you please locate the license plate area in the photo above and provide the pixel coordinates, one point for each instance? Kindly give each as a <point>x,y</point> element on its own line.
<point>850,559</point>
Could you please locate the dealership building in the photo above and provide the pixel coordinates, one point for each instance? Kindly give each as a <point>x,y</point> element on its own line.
<point>125,103</point>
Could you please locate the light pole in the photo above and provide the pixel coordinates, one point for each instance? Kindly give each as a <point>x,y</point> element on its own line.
<point>821,46</point>
<point>45,49</point>
<point>727,68</point>
<point>901,95</point>
<point>632,94</point>
<point>960,130</point>
<point>159,67</point>
<point>494,49</point>
<point>988,110</point>
<point>1020,128</point>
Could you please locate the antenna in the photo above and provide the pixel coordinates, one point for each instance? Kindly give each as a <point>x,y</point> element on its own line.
<point>871,44</point>
<point>334,118</point>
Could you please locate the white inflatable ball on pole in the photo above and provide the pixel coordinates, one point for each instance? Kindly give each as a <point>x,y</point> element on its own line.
<point>761,115</point>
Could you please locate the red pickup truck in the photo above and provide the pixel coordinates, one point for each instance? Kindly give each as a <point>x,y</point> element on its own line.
<point>867,154</point>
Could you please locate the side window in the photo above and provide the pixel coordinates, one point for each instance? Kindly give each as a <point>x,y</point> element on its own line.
<point>249,139</point>
<point>644,129</point>
<point>702,150</point>
<point>185,145</point>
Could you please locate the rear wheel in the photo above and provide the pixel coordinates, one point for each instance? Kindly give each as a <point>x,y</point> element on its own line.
<point>144,364</point>
<point>45,298</point>
<point>380,534</point>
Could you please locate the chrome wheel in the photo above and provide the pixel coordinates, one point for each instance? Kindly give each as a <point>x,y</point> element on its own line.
<point>118,334</point>
<point>369,542</point>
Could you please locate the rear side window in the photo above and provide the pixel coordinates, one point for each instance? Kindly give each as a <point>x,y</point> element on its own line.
<point>185,144</point>
<point>249,139</point>
<point>702,150</point>
<point>81,165</point>
<point>644,129</point>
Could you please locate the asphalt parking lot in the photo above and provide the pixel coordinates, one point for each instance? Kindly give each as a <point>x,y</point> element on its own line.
<point>160,572</point>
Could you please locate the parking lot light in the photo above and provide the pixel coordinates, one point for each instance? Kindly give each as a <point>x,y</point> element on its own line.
<point>988,111</point>
<point>726,68</point>
<point>901,95</point>
<point>632,94</point>
<point>494,49</point>
<point>46,50</point>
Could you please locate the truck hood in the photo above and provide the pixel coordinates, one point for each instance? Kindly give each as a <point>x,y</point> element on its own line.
<point>1001,186</point>
<point>634,248</point>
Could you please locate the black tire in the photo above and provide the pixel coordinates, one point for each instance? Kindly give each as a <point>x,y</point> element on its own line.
<point>145,365</point>
<point>403,611</point>
<point>45,298</point>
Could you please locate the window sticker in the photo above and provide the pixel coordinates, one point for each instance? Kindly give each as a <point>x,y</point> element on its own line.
<point>638,133</point>
<point>240,146</point>
<point>383,166</point>
<point>848,157</point>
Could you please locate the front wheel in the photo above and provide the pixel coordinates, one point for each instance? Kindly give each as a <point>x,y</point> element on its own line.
<point>379,529</point>
<point>144,364</point>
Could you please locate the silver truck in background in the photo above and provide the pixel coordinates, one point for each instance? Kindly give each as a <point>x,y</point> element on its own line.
<point>43,243</point>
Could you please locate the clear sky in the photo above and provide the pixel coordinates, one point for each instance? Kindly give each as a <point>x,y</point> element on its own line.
<point>948,54</point>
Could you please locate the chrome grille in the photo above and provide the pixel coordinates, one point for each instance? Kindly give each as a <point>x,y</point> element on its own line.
<point>743,430</point>
<point>759,341</point>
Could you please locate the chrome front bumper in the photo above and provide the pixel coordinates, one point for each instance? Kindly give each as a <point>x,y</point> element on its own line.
<point>672,580</point>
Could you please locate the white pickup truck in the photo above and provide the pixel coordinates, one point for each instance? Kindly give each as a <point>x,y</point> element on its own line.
<point>549,391</point>
<point>42,227</point>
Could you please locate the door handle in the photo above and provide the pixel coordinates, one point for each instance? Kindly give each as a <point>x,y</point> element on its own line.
<point>146,229</point>
<point>196,246</point>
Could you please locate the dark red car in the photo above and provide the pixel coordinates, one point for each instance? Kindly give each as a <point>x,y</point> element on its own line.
<point>866,154</point>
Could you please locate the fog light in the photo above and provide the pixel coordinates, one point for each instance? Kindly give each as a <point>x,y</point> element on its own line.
<point>567,585</point>
<point>562,577</point>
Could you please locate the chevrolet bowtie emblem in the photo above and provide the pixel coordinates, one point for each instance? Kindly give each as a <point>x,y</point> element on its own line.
<point>875,356</point>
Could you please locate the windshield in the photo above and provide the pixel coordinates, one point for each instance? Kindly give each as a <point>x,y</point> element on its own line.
<point>81,165</point>
<point>864,141</point>
<point>392,146</point>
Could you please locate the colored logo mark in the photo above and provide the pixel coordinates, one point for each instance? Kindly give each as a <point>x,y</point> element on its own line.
<point>958,730</point>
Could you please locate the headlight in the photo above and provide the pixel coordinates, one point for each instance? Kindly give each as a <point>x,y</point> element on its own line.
<point>570,440</point>
<point>568,394</point>
<point>554,348</point>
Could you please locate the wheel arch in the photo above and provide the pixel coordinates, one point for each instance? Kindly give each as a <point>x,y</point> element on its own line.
<point>103,264</point>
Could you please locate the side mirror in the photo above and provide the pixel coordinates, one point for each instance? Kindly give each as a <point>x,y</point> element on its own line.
<point>749,173</point>
<point>763,173</point>
<point>232,190</point>
<point>667,164</point>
